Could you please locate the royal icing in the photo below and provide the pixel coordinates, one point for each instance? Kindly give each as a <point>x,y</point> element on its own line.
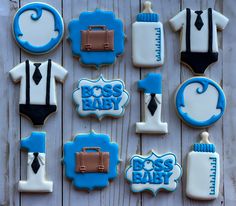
<point>91,160</point>
<point>38,28</point>
<point>199,43</point>
<point>203,170</point>
<point>153,172</point>
<point>148,52</point>
<point>200,102</point>
<point>36,181</point>
<point>38,88</point>
<point>101,97</point>
<point>152,88</point>
<point>97,37</point>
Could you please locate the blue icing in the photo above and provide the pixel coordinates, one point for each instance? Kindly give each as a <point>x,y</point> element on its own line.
<point>147,17</point>
<point>98,17</point>
<point>151,84</point>
<point>38,8</point>
<point>204,147</point>
<point>204,82</point>
<point>34,143</point>
<point>90,181</point>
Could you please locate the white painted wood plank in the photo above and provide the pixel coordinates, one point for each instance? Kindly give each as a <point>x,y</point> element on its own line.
<point>121,130</point>
<point>191,135</point>
<point>9,121</point>
<point>229,84</point>
<point>170,71</point>
<point>53,127</point>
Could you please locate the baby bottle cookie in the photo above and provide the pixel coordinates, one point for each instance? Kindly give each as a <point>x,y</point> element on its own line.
<point>38,28</point>
<point>91,160</point>
<point>147,39</point>
<point>152,87</point>
<point>36,173</point>
<point>97,38</point>
<point>153,172</point>
<point>203,170</point>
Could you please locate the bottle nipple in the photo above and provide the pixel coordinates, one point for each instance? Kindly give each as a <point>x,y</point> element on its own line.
<point>147,7</point>
<point>205,138</point>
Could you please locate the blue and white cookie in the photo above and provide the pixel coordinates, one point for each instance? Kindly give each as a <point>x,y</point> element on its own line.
<point>153,172</point>
<point>97,37</point>
<point>91,160</point>
<point>101,97</point>
<point>38,28</point>
<point>200,102</point>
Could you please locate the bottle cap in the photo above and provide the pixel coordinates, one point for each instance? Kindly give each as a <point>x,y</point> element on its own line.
<point>147,15</point>
<point>205,145</point>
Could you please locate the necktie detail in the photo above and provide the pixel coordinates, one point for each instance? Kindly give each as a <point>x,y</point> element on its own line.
<point>199,23</point>
<point>35,164</point>
<point>152,106</point>
<point>37,76</point>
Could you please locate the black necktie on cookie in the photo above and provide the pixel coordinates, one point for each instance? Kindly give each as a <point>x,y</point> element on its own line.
<point>199,23</point>
<point>37,76</point>
<point>35,164</point>
<point>152,106</point>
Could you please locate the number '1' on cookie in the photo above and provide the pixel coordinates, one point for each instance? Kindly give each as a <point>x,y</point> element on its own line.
<point>203,170</point>
<point>147,39</point>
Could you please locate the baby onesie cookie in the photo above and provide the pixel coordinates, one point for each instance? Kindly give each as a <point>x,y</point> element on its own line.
<point>203,170</point>
<point>38,88</point>
<point>153,172</point>
<point>147,39</point>
<point>97,37</point>
<point>200,102</point>
<point>36,181</point>
<point>91,160</point>
<point>152,88</point>
<point>199,43</point>
<point>101,97</point>
<point>38,28</point>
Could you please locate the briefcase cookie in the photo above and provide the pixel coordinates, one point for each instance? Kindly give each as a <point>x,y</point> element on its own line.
<point>97,38</point>
<point>91,160</point>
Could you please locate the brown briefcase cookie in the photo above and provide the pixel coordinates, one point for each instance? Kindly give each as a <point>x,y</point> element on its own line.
<point>97,38</point>
<point>92,162</point>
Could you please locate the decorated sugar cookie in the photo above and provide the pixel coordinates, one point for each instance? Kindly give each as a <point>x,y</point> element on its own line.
<point>36,174</point>
<point>91,160</point>
<point>38,28</point>
<point>97,37</point>
<point>203,170</point>
<point>147,39</point>
<point>200,102</point>
<point>38,88</point>
<point>199,43</point>
<point>101,97</point>
<point>153,172</point>
<point>152,88</point>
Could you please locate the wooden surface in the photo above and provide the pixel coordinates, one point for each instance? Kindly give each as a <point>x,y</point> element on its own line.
<point>63,125</point>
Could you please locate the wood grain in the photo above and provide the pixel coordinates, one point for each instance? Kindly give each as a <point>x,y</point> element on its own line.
<point>65,124</point>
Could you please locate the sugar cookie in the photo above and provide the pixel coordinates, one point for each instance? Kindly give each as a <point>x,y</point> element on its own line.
<point>38,28</point>
<point>38,88</point>
<point>199,43</point>
<point>203,170</point>
<point>91,160</point>
<point>97,37</point>
<point>153,172</point>
<point>200,102</point>
<point>152,88</point>
<point>36,182</point>
<point>101,97</point>
<point>147,39</point>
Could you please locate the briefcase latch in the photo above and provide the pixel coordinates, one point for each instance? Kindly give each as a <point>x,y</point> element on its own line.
<point>82,169</point>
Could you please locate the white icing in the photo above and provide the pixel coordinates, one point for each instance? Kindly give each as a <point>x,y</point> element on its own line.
<point>39,32</point>
<point>38,92</point>
<point>200,107</point>
<point>152,124</point>
<point>36,182</point>
<point>199,39</point>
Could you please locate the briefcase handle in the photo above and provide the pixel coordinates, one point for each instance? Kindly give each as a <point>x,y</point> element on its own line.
<point>103,27</point>
<point>100,164</point>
